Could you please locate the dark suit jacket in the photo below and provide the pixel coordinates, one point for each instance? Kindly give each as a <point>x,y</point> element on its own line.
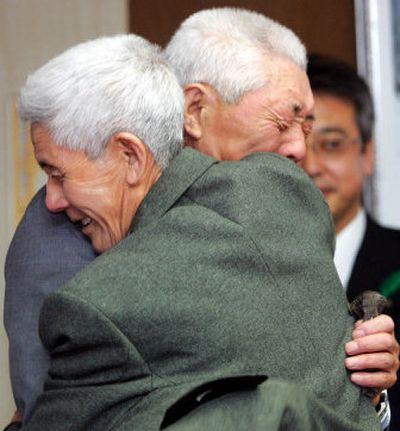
<point>377,267</point>
<point>228,272</point>
<point>46,251</point>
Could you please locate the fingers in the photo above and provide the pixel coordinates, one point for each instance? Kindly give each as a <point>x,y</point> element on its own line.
<point>358,323</point>
<point>382,342</point>
<point>382,361</point>
<point>382,323</point>
<point>379,380</point>
<point>373,353</point>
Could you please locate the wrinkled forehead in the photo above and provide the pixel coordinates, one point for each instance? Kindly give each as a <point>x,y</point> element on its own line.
<point>37,129</point>
<point>44,142</point>
<point>278,65</point>
<point>47,153</point>
<point>288,82</point>
<point>283,71</point>
<point>40,138</point>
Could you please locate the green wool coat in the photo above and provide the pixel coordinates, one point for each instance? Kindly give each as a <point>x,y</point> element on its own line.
<point>226,277</point>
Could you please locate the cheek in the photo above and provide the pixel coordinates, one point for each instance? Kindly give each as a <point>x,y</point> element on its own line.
<point>350,173</point>
<point>108,233</point>
<point>336,171</point>
<point>73,193</point>
<point>83,197</point>
<point>347,179</point>
<point>229,130</point>
<point>90,190</point>
<point>273,139</point>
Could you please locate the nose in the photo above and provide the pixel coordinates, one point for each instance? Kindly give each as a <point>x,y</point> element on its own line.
<point>55,199</point>
<point>295,146</point>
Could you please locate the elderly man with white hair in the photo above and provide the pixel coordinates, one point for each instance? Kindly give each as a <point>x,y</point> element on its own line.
<point>224,258</point>
<point>246,91</point>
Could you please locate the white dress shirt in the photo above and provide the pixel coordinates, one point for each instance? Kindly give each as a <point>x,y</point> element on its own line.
<point>348,242</point>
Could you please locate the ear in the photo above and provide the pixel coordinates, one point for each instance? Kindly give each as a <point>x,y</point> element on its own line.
<point>369,158</point>
<point>199,100</point>
<point>134,154</point>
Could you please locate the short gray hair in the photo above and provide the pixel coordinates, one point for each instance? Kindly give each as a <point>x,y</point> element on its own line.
<point>227,47</point>
<point>104,86</point>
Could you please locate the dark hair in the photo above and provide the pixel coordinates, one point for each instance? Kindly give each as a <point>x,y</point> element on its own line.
<point>337,78</point>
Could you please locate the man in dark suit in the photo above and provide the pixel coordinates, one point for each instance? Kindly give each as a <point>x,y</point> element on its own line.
<point>285,151</point>
<point>339,159</point>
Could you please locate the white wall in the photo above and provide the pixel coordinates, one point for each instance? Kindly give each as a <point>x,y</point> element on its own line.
<point>375,52</point>
<point>31,32</point>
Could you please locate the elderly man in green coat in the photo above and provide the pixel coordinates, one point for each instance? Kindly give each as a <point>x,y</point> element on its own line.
<point>210,293</point>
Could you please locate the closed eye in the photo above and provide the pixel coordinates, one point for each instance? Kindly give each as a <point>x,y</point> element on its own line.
<point>52,172</point>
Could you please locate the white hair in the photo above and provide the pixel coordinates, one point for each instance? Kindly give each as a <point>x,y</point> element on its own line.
<point>104,86</point>
<point>227,48</point>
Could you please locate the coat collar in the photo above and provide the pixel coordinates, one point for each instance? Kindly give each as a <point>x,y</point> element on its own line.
<point>183,171</point>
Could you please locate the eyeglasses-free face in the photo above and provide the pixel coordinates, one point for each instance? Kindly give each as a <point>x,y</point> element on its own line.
<point>336,159</point>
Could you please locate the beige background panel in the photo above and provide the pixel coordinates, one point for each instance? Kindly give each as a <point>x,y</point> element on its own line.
<point>31,32</point>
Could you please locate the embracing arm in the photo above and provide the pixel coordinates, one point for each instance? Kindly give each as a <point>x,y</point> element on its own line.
<point>33,269</point>
<point>91,361</point>
<point>373,359</point>
<point>373,347</point>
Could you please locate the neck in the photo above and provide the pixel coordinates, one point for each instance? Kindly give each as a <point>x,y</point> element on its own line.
<point>152,174</point>
<point>138,193</point>
<point>342,222</point>
<point>205,148</point>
